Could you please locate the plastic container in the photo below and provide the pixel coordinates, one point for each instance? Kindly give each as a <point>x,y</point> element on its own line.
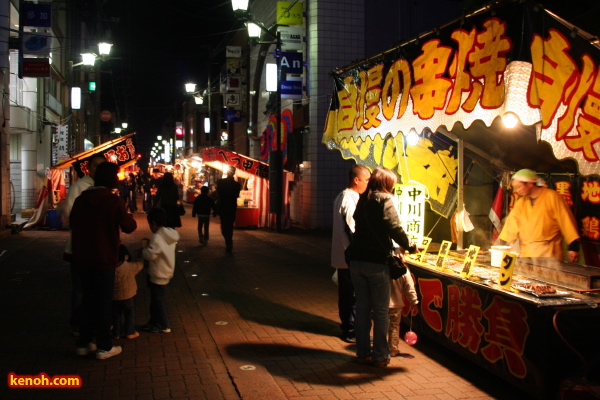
<point>496,255</point>
<point>53,219</point>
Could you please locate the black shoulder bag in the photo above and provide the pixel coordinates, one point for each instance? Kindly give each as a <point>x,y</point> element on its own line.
<point>395,263</point>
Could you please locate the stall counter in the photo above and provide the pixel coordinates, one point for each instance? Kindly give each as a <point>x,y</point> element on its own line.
<point>514,334</point>
<point>247,217</point>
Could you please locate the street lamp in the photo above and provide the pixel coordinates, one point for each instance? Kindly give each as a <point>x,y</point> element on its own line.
<point>240,7</point>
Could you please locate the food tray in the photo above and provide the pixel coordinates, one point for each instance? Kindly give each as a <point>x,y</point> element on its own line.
<point>558,293</point>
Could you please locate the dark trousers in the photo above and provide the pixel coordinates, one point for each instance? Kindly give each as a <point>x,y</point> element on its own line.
<point>76,298</point>
<point>132,201</point>
<point>158,306</point>
<point>227,221</point>
<point>97,289</point>
<point>147,204</point>
<point>346,300</point>
<point>203,223</point>
<point>123,317</point>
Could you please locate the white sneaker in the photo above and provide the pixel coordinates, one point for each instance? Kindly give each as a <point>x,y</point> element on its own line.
<point>84,351</point>
<point>104,354</point>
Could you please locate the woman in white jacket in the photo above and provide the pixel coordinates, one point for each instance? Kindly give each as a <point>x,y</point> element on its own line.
<point>160,254</point>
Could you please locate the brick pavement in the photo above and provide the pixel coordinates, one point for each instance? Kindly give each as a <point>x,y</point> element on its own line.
<point>260,323</point>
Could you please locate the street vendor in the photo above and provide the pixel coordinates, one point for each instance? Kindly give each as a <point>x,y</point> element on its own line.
<point>540,219</point>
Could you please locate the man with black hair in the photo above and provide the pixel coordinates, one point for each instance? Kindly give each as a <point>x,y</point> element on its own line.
<point>97,219</point>
<point>76,188</point>
<point>228,191</point>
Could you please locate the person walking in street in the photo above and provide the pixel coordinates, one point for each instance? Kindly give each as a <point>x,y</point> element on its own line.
<point>343,228</point>
<point>376,224</point>
<point>84,182</point>
<point>228,191</point>
<point>160,253</point>
<point>97,219</point>
<point>541,220</point>
<point>168,198</point>
<point>203,206</point>
<point>123,308</point>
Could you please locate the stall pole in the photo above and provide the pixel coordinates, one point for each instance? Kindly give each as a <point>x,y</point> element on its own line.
<point>461,203</point>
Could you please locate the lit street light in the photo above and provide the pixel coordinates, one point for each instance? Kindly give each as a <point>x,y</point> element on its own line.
<point>240,7</point>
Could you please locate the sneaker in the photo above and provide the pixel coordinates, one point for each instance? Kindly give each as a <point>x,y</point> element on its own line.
<point>381,363</point>
<point>349,337</point>
<point>104,354</point>
<point>147,328</point>
<point>84,351</point>
<point>158,330</point>
<point>133,335</point>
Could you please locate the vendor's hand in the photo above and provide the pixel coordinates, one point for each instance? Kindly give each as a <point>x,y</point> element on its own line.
<point>573,256</point>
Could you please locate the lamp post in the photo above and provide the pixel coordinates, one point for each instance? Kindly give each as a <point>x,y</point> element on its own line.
<point>240,7</point>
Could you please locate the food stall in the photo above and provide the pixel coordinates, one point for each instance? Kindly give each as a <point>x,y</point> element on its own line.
<point>121,151</point>
<point>253,204</point>
<point>511,86</point>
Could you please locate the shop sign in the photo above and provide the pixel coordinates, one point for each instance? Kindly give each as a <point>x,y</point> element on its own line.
<point>232,99</point>
<point>292,62</point>
<point>239,161</point>
<point>290,13</point>
<point>39,15</point>
<point>35,67</point>
<point>62,143</point>
<point>233,115</point>
<point>476,69</point>
<point>291,89</point>
<point>120,153</point>
<point>291,37</point>
<point>233,51</point>
<point>38,43</point>
<point>411,200</point>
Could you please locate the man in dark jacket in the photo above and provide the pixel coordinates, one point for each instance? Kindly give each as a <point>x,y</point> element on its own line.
<point>228,190</point>
<point>97,217</point>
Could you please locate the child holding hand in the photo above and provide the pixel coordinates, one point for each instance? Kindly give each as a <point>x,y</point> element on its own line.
<point>160,254</point>
<point>398,288</point>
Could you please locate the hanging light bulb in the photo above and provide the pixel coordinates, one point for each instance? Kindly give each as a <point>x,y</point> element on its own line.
<point>510,120</point>
<point>413,137</point>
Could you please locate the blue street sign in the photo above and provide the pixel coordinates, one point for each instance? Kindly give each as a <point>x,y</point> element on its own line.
<point>36,14</point>
<point>291,89</point>
<point>291,63</point>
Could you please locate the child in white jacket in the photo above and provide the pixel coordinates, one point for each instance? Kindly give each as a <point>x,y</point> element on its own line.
<point>160,254</point>
<point>398,288</point>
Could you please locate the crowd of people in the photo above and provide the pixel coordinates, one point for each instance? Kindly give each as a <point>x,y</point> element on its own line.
<point>366,231</point>
<point>99,207</point>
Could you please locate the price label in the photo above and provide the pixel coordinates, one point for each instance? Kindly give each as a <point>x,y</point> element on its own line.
<point>506,269</point>
<point>420,256</point>
<point>443,253</point>
<point>470,259</point>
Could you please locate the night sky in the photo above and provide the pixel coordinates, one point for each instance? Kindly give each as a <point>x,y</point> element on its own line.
<point>159,45</point>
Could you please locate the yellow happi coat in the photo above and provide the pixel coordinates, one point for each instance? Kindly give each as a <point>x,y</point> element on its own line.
<point>541,227</point>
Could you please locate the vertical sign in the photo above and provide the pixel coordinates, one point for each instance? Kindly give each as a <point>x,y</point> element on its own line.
<point>470,259</point>
<point>506,270</point>
<point>412,210</point>
<point>420,256</point>
<point>444,249</point>
<point>62,143</point>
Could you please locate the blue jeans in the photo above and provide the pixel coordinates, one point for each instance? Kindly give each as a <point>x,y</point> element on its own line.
<point>158,306</point>
<point>123,309</point>
<point>372,287</point>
